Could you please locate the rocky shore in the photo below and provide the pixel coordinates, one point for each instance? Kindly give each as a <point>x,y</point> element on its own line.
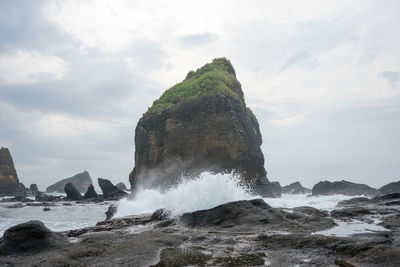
<point>241,233</point>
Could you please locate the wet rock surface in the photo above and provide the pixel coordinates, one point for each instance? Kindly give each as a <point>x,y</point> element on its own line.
<point>241,233</point>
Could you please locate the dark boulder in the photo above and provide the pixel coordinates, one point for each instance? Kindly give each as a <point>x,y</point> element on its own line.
<point>201,124</point>
<point>80,180</point>
<point>91,193</point>
<point>342,187</point>
<point>9,183</point>
<point>121,186</point>
<point>109,190</point>
<point>29,237</point>
<point>72,192</point>
<point>390,188</point>
<point>255,215</point>
<point>295,188</point>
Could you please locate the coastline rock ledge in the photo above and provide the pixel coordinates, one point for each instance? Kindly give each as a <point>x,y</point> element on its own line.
<point>200,124</point>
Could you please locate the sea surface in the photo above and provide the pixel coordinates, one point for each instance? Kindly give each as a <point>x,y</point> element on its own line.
<point>208,191</point>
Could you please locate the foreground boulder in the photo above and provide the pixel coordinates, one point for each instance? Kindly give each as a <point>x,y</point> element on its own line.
<point>9,183</point>
<point>295,188</point>
<point>342,187</point>
<point>29,237</point>
<point>109,190</point>
<point>72,192</point>
<point>200,124</point>
<point>91,193</point>
<point>390,188</point>
<point>80,180</point>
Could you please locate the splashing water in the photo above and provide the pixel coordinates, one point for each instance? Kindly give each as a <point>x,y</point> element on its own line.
<point>208,191</point>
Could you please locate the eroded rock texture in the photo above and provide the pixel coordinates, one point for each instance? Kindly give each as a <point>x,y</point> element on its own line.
<point>200,124</point>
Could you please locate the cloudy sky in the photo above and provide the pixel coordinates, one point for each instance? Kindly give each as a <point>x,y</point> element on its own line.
<point>323,78</point>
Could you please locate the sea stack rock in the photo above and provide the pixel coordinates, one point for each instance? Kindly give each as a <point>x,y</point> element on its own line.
<point>72,192</point>
<point>121,186</point>
<point>91,193</point>
<point>200,124</point>
<point>80,180</point>
<point>9,183</point>
<point>110,190</point>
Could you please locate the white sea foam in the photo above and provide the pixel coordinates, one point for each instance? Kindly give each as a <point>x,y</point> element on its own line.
<point>211,190</point>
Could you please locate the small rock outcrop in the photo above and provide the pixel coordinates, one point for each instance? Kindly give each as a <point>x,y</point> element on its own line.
<point>121,186</point>
<point>91,193</point>
<point>200,124</point>
<point>9,183</point>
<point>72,192</point>
<point>390,188</point>
<point>342,187</point>
<point>29,237</point>
<point>80,180</point>
<point>34,188</point>
<point>295,188</point>
<point>109,190</point>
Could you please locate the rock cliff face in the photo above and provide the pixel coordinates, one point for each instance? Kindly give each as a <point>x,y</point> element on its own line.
<point>200,124</point>
<point>81,180</point>
<point>390,188</point>
<point>9,183</point>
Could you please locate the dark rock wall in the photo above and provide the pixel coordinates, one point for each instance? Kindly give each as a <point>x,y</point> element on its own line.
<point>9,183</point>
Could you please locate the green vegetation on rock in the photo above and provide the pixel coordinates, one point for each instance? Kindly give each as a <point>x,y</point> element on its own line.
<point>217,77</point>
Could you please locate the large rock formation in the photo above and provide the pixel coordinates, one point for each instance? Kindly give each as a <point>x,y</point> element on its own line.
<point>200,124</point>
<point>110,190</point>
<point>9,183</point>
<point>342,187</point>
<point>295,188</point>
<point>91,193</point>
<point>80,180</point>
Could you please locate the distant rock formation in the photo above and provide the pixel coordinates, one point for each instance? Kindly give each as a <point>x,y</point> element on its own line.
<point>110,190</point>
<point>390,188</point>
<point>9,183</point>
<point>200,124</point>
<point>342,187</point>
<point>295,188</point>
<point>34,188</point>
<point>91,193</point>
<point>72,192</point>
<point>80,180</point>
<point>121,186</point>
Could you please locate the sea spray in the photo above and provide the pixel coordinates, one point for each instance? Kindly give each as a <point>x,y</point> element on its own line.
<point>207,191</point>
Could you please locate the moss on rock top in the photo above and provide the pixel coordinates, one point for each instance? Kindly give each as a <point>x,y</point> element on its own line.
<point>217,77</point>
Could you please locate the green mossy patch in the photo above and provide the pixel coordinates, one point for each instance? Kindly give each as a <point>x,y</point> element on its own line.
<point>217,77</point>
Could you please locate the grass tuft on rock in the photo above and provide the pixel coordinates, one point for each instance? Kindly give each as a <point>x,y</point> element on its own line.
<point>217,77</point>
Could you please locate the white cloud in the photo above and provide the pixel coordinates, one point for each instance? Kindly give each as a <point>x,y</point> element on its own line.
<point>28,66</point>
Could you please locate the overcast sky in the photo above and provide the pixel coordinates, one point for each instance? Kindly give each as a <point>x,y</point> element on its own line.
<point>322,77</point>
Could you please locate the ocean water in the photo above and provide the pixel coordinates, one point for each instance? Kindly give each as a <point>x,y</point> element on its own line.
<point>208,191</point>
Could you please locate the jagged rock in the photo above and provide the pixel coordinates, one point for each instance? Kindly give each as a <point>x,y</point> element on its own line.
<point>121,186</point>
<point>9,183</point>
<point>32,236</point>
<point>342,187</point>
<point>109,190</point>
<point>110,212</point>
<point>200,124</point>
<point>80,180</point>
<point>91,193</point>
<point>46,209</point>
<point>72,192</point>
<point>390,188</point>
<point>295,188</point>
